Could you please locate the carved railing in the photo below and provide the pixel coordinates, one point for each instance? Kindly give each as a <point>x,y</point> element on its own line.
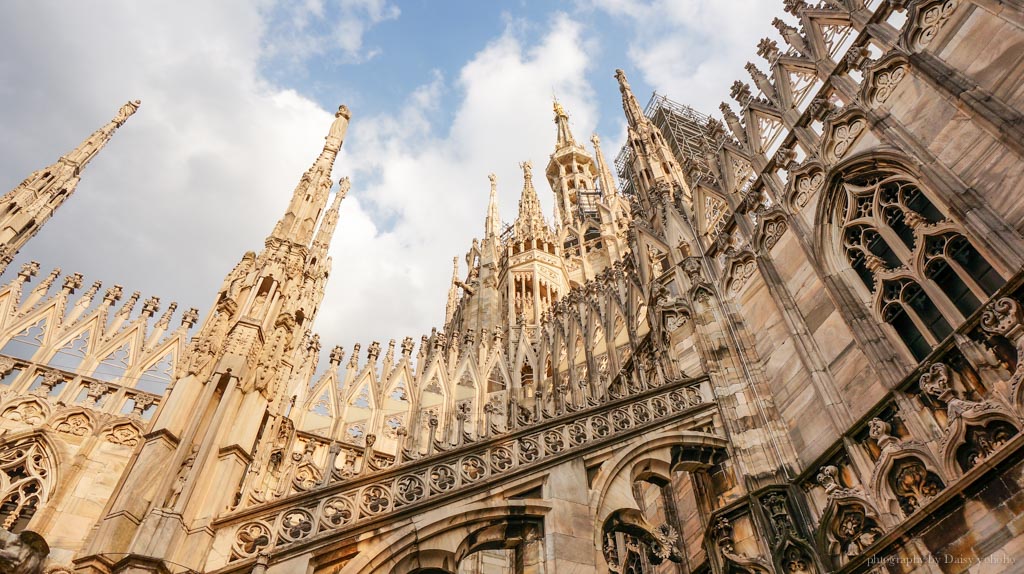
<point>21,380</point>
<point>353,503</point>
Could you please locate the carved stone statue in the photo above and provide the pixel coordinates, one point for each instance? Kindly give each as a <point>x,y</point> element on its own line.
<point>126,111</point>
<point>22,553</point>
<point>181,478</point>
<point>338,128</point>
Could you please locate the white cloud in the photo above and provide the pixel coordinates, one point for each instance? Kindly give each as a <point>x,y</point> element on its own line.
<point>200,174</point>
<point>196,178</point>
<point>693,50</point>
<point>428,182</point>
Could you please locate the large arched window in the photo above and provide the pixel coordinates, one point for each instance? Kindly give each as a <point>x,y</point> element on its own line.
<point>923,276</point>
<point>26,474</point>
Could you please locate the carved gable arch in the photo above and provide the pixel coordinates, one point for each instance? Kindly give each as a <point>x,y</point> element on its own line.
<point>31,411</point>
<point>77,422</point>
<point>849,525</point>
<point>770,228</point>
<point>126,433</point>
<point>804,183</point>
<point>741,267</point>
<point>841,133</point>
<point>905,478</point>
<point>924,22</point>
<point>977,433</point>
<point>882,78</point>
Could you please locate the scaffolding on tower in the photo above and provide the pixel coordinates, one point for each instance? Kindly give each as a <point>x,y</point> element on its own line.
<point>690,135</point>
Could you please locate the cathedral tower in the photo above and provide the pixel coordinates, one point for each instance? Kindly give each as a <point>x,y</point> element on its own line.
<point>535,277</point>
<point>25,209</point>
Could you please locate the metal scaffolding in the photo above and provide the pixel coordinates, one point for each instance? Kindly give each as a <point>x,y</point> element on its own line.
<point>688,133</point>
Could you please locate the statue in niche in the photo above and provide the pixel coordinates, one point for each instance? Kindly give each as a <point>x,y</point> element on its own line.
<point>235,280</point>
<point>257,304</point>
<point>181,478</point>
<point>200,360</point>
<point>265,379</point>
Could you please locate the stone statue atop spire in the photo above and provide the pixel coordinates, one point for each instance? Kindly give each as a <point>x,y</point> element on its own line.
<point>634,114</point>
<point>126,112</point>
<point>338,129</point>
<point>492,225</point>
<point>562,121</point>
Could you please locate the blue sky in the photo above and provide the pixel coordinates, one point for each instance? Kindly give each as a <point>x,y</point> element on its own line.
<point>237,96</point>
<point>413,41</point>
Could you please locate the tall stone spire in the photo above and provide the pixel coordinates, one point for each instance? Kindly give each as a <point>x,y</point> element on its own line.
<point>634,113</point>
<point>31,204</point>
<point>571,172</point>
<point>329,223</point>
<point>453,293</point>
<point>492,226</point>
<point>310,195</point>
<point>231,386</point>
<point>604,173</point>
<point>653,160</point>
<point>562,121</point>
<point>530,223</point>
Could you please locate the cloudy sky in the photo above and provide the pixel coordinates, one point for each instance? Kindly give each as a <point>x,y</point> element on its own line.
<point>237,96</point>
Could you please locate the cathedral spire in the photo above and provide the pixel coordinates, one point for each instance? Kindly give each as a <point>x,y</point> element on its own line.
<point>530,223</point>
<point>634,113</point>
<point>453,293</point>
<point>310,195</point>
<point>562,121</point>
<point>492,227</point>
<point>30,205</point>
<point>330,221</point>
<point>604,173</point>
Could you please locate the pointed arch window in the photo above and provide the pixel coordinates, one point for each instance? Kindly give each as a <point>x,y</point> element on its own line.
<point>25,478</point>
<point>923,275</point>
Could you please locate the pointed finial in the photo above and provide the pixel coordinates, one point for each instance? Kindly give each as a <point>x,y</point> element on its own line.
<point>337,354</point>
<point>634,114</point>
